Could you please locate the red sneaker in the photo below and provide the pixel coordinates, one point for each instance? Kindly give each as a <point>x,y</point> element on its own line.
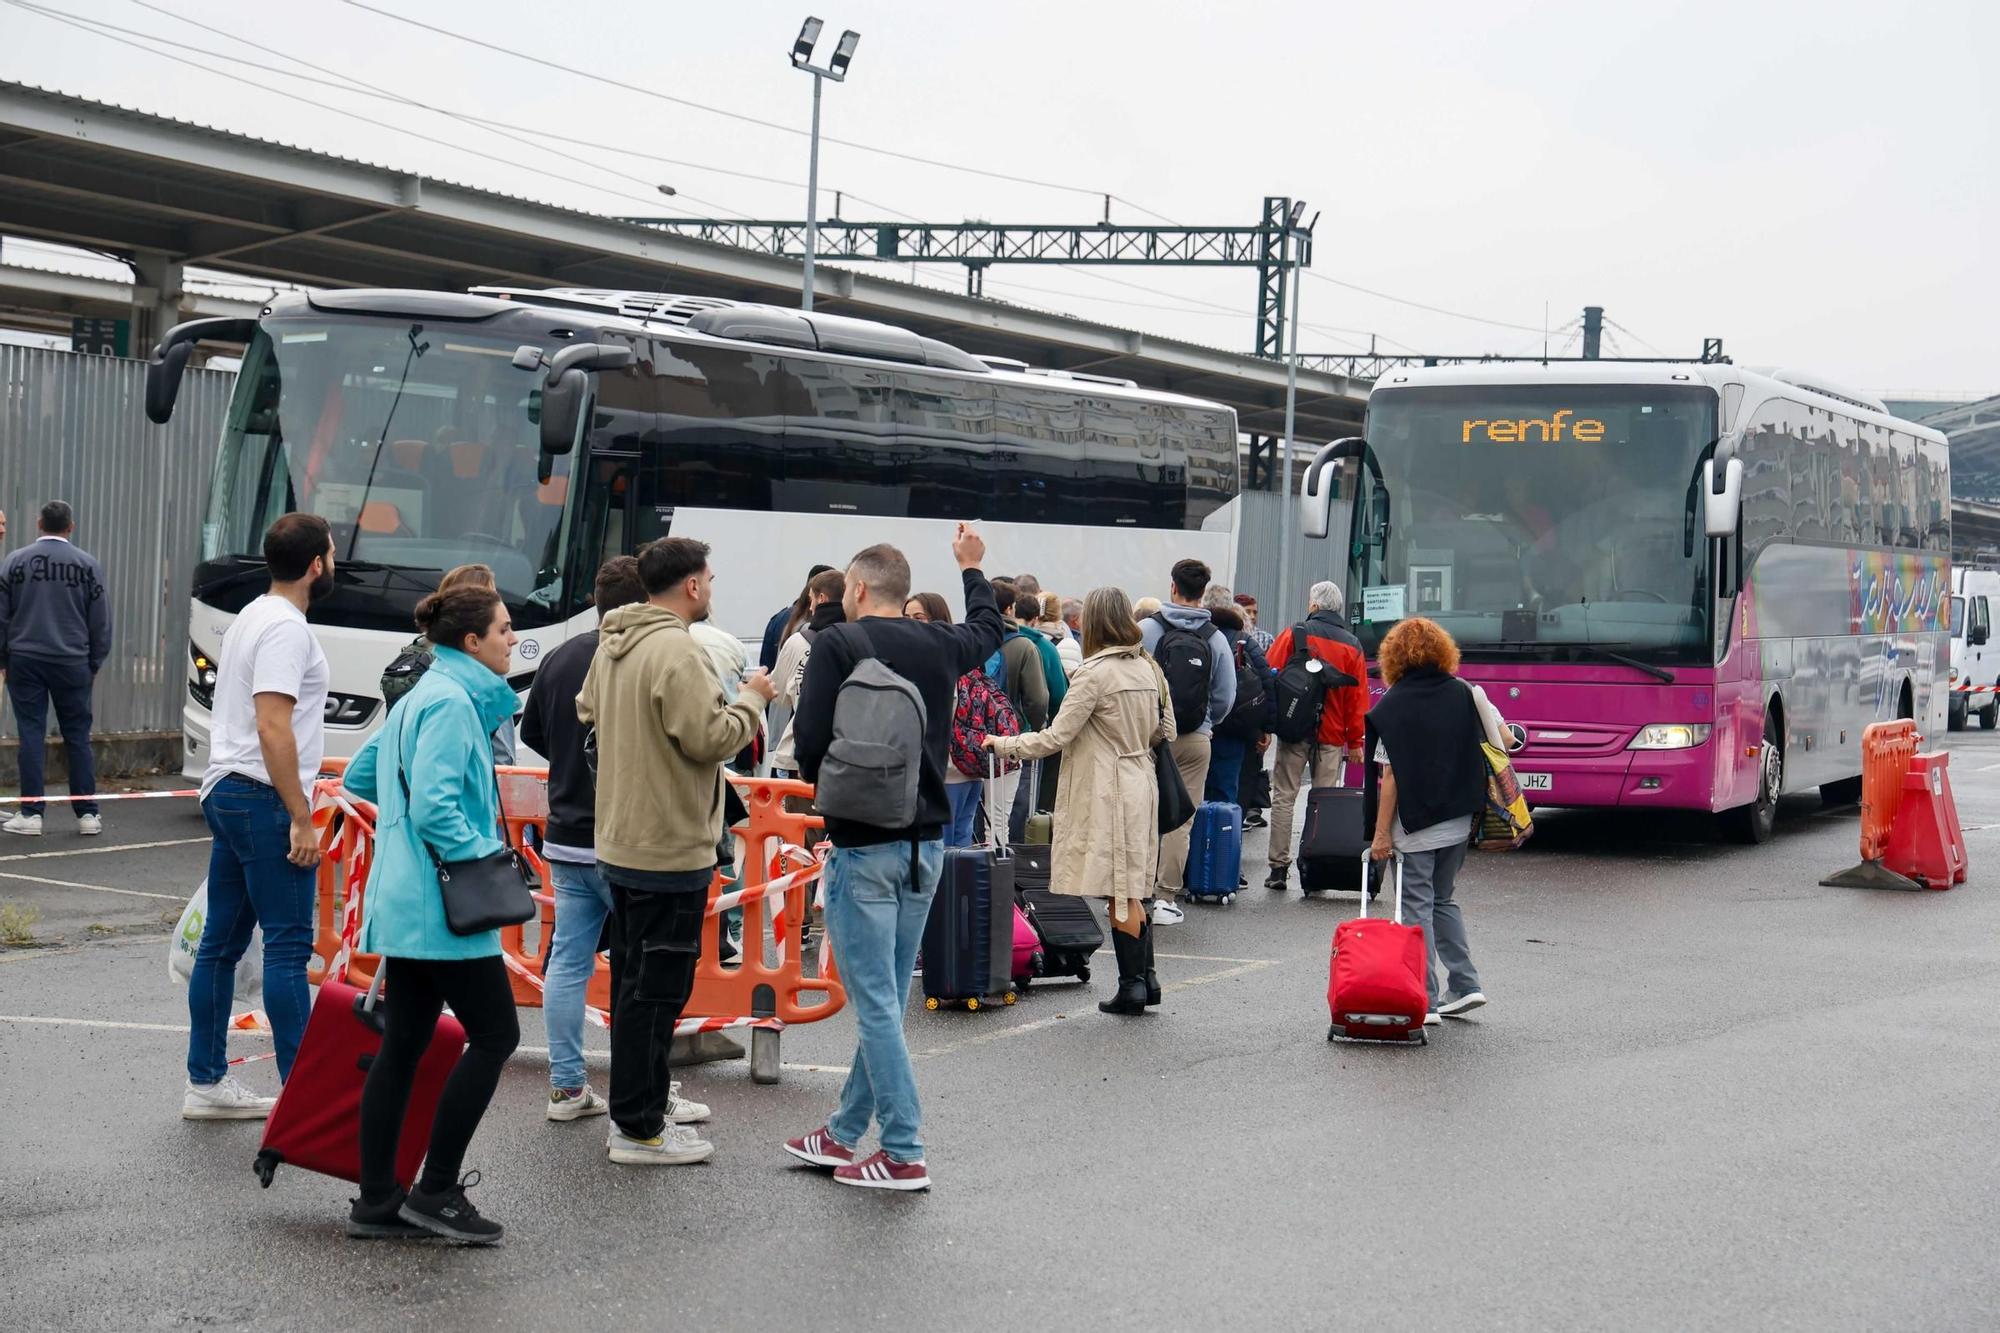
<point>820,1148</point>
<point>883,1172</point>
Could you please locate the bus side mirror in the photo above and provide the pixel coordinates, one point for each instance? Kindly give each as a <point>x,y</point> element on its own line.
<point>1322,485</point>
<point>567,389</point>
<point>170,358</point>
<point>1721,496</point>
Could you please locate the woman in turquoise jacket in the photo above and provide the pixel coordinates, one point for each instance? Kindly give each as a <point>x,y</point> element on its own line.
<point>429,771</point>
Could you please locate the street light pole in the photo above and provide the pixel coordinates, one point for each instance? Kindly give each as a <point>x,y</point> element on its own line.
<point>812,193</point>
<point>1294,253</point>
<point>835,69</point>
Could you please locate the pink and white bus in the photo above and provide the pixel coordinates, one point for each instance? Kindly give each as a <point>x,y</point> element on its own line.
<point>1687,586</point>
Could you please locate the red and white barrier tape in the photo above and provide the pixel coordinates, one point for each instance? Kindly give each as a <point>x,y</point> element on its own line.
<point>102,796</point>
<point>1975,689</point>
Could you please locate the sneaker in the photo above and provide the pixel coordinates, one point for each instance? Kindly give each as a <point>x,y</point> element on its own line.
<point>382,1221</point>
<point>1280,878</point>
<point>1255,819</point>
<point>28,826</point>
<point>575,1103</point>
<point>676,1145</point>
<point>227,1100</point>
<point>681,1111</point>
<point>883,1172</point>
<point>820,1148</point>
<point>450,1214</point>
<point>1458,1006</point>
<point>90,825</point>
<point>1431,1020</point>
<point>1165,913</point>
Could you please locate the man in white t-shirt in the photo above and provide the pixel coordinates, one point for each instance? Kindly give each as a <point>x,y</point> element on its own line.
<point>265,748</point>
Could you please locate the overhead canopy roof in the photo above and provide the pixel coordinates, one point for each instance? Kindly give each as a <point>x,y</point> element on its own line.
<point>87,173</point>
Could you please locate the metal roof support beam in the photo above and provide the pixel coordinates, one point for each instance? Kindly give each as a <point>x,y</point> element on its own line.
<point>156,299</point>
<point>322,229</point>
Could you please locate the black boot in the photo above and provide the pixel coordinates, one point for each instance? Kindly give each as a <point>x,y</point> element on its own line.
<point>1131,996</point>
<point>1152,977</point>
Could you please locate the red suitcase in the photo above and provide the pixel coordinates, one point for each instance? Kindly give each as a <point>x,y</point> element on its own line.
<point>317,1121</point>
<point>1379,989</point>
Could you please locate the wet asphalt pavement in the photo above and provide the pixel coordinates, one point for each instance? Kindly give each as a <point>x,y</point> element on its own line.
<point>1708,1094</point>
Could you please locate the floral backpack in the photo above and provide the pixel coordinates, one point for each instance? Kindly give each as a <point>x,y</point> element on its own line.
<point>983,709</point>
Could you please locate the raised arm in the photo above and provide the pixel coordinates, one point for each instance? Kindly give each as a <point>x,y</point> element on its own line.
<point>983,628</point>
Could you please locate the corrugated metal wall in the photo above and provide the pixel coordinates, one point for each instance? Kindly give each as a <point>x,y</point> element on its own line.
<point>1257,544</point>
<point>74,428</point>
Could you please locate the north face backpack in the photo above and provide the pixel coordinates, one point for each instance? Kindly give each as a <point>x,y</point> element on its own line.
<point>1186,661</point>
<point>1246,718</point>
<point>1302,687</point>
<point>982,710</point>
<point>401,676</point>
<point>874,763</point>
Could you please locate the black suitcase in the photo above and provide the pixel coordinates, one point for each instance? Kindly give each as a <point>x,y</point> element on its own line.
<point>969,935</point>
<point>1063,922</point>
<point>1333,839</point>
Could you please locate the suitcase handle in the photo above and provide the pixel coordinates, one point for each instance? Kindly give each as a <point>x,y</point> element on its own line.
<point>368,1008</point>
<point>1367,864</point>
<point>995,839</point>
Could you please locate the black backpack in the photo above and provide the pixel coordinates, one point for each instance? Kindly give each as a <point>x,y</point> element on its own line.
<point>1187,662</point>
<point>1302,687</point>
<point>1246,716</point>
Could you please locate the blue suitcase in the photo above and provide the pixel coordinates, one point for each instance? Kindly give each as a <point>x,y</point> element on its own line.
<point>1215,853</point>
<point>968,949</point>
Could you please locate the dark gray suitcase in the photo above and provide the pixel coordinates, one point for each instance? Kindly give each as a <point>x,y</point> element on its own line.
<point>1333,839</point>
<point>969,935</point>
<point>1063,922</point>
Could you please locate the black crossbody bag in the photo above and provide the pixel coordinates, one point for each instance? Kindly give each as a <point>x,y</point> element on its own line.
<point>486,892</point>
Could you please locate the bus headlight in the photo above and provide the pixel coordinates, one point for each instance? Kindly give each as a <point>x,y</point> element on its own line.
<point>202,684</point>
<point>1670,736</point>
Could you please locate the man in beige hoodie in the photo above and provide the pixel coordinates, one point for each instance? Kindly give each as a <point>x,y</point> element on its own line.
<point>663,731</point>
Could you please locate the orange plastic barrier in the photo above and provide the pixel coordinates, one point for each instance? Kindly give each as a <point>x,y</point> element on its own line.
<point>1886,750</point>
<point>776,893</point>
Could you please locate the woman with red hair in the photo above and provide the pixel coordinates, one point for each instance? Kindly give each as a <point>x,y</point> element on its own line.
<point>1424,734</point>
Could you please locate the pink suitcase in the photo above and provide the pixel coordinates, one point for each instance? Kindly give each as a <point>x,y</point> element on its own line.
<point>1027,949</point>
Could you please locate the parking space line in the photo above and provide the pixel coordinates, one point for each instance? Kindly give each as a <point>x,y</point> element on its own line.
<point>106,849</point>
<point>998,1034</point>
<point>95,888</point>
<point>1213,958</point>
<point>39,1020</point>
<point>1254,965</point>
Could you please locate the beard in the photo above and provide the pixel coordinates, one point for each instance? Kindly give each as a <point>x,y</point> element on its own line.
<point>321,586</point>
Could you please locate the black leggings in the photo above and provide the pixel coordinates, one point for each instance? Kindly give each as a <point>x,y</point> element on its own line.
<point>414,993</point>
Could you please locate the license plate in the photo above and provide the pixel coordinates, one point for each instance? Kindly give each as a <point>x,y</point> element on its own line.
<point>1534,781</point>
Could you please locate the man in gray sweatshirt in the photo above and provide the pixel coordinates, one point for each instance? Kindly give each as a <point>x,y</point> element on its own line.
<point>1187,621</point>
<point>55,632</point>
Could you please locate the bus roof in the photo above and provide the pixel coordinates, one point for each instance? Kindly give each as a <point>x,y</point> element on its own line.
<point>1812,389</point>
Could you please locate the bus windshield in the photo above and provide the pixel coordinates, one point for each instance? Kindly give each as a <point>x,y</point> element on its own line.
<point>416,442</point>
<point>1529,518</point>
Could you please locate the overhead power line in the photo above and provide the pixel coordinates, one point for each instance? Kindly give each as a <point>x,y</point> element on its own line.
<point>1417,305</point>
<point>781,127</point>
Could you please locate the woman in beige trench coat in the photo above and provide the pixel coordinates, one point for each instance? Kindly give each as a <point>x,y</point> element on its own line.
<point>1107,832</point>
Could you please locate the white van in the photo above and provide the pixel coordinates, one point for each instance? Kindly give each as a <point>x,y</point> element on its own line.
<point>1975,659</point>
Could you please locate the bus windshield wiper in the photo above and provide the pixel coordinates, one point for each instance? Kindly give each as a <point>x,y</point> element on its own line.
<point>234,577</point>
<point>391,572</point>
<point>1597,650</point>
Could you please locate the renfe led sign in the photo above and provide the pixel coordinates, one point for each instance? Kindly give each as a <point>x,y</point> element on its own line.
<point>1547,430</point>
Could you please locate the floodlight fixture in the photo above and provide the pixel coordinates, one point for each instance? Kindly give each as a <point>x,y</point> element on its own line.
<point>842,54</point>
<point>802,49</point>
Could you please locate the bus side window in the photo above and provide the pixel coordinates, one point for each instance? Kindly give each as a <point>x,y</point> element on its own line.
<point>601,524</point>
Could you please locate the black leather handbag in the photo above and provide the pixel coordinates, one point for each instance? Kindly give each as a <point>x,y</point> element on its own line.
<point>1176,806</point>
<point>485,892</point>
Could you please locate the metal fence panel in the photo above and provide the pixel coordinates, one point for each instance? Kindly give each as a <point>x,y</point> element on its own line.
<point>1257,546</point>
<point>74,427</point>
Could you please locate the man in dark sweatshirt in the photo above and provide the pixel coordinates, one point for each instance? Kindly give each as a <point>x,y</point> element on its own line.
<point>55,632</point>
<point>549,726</point>
<point>879,881</point>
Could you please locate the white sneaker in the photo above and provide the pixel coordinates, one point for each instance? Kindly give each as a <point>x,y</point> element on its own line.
<point>90,825</point>
<point>564,1107</point>
<point>680,1110</point>
<point>1166,913</point>
<point>227,1100</point>
<point>1433,1021</point>
<point>28,826</point>
<point>677,1145</point>
<point>1458,1006</point>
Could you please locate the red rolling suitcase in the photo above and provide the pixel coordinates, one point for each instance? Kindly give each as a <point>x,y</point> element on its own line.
<point>1380,985</point>
<point>317,1121</point>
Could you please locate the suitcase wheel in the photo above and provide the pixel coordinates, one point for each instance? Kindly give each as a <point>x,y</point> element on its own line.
<point>931,1003</point>
<point>1083,973</point>
<point>1011,997</point>
<point>1333,1032</point>
<point>972,1006</point>
<point>265,1166</point>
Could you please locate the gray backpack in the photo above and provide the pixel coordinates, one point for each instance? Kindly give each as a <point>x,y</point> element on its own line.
<point>871,770</point>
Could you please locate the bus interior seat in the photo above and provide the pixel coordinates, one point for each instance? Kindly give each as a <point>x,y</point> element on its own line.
<point>379,518</point>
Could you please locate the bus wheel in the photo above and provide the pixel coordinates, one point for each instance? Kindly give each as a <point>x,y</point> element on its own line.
<point>1754,823</point>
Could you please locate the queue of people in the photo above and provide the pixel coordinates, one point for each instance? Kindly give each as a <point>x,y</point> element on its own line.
<point>638,721</point>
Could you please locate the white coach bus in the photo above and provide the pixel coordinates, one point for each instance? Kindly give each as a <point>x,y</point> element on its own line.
<point>540,432</point>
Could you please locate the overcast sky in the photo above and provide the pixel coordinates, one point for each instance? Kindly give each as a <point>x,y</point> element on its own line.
<point>1812,182</point>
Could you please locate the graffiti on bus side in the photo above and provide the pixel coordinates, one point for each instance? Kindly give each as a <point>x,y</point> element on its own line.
<point>1891,592</point>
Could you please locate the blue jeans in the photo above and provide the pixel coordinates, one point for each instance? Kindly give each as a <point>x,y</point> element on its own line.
<point>875,918</point>
<point>251,883</point>
<point>964,798</point>
<point>33,684</point>
<point>1225,769</point>
<point>583,901</point>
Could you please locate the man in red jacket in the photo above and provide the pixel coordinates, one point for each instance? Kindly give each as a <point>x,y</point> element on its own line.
<point>1342,710</point>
